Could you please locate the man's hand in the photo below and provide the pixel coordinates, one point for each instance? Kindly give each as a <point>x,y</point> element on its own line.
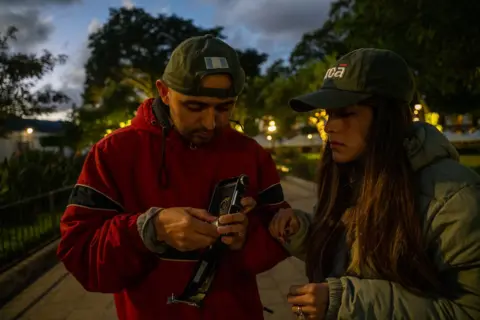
<point>236,225</point>
<point>186,229</point>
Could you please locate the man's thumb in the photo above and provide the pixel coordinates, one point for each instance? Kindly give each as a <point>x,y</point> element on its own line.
<point>201,214</point>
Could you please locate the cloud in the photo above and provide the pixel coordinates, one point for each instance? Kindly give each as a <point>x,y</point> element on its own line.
<point>128,4</point>
<point>12,3</point>
<point>94,25</point>
<point>34,27</point>
<point>273,26</point>
<point>72,76</point>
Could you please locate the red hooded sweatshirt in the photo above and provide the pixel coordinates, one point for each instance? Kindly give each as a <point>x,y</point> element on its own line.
<point>121,179</point>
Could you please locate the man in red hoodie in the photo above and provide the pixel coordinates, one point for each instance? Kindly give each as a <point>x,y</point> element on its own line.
<point>136,220</point>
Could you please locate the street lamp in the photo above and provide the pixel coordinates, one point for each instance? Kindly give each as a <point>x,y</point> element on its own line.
<point>271,127</point>
<point>417,112</point>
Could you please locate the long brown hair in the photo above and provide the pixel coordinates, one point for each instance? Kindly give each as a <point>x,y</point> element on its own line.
<point>379,195</point>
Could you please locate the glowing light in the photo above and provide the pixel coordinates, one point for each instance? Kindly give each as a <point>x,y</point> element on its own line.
<point>269,138</point>
<point>29,130</point>
<point>416,119</point>
<point>418,107</point>
<point>272,128</point>
<point>271,123</point>
<point>309,136</point>
<point>313,120</point>
<point>239,128</point>
<point>283,168</point>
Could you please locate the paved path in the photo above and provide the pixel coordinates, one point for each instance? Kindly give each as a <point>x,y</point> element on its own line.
<point>58,296</point>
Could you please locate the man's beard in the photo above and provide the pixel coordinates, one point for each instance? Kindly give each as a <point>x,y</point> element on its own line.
<point>202,136</point>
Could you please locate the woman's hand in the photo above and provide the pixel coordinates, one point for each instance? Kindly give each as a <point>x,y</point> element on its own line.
<point>284,224</point>
<point>310,300</point>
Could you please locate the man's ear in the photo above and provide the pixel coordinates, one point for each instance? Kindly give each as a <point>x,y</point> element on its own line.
<point>234,106</point>
<point>163,91</point>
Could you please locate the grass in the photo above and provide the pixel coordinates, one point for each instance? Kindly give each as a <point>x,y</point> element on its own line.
<point>20,239</point>
<point>470,160</point>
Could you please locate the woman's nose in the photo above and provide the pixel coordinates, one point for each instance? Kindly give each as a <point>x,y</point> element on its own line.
<point>333,125</point>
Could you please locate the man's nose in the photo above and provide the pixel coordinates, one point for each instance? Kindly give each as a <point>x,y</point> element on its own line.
<point>208,119</point>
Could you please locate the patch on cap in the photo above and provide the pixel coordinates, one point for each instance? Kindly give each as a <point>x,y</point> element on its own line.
<point>216,63</point>
<point>336,72</point>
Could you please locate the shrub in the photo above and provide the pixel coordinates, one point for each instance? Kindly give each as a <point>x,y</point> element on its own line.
<point>36,172</point>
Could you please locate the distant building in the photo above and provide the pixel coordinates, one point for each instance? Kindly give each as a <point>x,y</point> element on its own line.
<point>25,134</point>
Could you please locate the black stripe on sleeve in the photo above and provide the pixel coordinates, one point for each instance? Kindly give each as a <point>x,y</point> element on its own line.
<point>272,195</point>
<point>88,197</point>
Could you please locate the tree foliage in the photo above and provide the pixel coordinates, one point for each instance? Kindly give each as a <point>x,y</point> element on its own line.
<point>19,73</point>
<point>128,54</point>
<point>133,44</point>
<point>123,65</point>
<point>435,37</point>
<point>317,45</point>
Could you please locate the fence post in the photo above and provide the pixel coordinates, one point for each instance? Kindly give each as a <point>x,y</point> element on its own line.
<point>51,201</point>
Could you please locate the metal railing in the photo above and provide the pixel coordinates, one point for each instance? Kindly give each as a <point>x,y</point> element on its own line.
<point>28,225</point>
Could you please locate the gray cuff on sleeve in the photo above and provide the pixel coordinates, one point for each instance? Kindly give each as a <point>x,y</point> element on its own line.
<point>335,288</point>
<point>295,243</point>
<point>146,229</point>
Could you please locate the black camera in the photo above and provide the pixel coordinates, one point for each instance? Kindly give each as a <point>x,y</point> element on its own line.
<point>226,199</point>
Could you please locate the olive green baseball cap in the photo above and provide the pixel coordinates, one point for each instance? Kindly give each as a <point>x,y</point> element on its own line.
<point>359,75</point>
<point>201,56</point>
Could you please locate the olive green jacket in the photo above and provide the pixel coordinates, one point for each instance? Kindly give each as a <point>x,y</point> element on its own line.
<point>449,203</point>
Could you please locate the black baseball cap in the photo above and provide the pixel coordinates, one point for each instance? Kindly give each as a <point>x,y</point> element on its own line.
<point>198,57</point>
<point>359,75</point>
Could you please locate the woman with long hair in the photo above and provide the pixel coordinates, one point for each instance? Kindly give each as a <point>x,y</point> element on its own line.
<point>396,229</point>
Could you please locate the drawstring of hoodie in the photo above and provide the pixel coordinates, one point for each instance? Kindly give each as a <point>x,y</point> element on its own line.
<point>163,175</point>
<point>161,113</point>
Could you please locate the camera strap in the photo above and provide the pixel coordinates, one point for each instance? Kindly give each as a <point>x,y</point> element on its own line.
<point>225,202</point>
<point>202,278</point>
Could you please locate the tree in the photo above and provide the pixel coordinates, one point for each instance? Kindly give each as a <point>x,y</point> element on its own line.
<point>134,45</point>
<point>124,66</point>
<point>117,103</point>
<point>306,79</point>
<point>270,93</point>
<point>317,45</point>
<point>18,74</point>
<point>435,37</point>
<point>251,61</point>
